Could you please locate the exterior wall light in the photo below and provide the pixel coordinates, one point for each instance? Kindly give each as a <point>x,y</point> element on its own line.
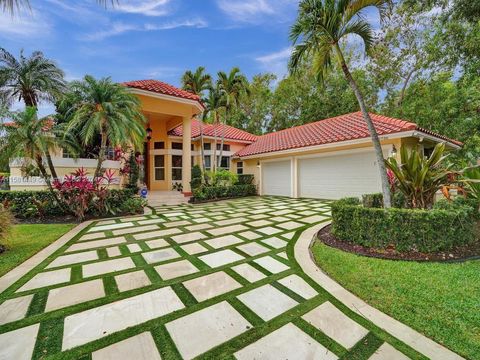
<point>149,133</point>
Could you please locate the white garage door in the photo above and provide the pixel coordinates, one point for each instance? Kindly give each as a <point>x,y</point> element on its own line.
<point>334,177</point>
<point>277,178</point>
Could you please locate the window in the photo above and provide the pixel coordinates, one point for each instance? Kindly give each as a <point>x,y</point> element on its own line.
<point>176,167</point>
<point>240,167</point>
<point>177,145</point>
<point>192,147</point>
<point>157,145</point>
<point>159,165</point>
<point>225,147</point>
<point>208,162</point>
<point>225,163</point>
<point>207,146</point>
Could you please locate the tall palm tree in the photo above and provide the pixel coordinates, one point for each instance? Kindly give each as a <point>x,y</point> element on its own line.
<point>11,6</point>
<point>197,82</point>
<point>232,86</point>
<point>316,33</point>
<point>109,110</point>
<point>30,79</point>
<point>214,102</point>
<point>31,138</point>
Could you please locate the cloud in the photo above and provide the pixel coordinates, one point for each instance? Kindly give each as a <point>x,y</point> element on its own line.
<point>275,62</point>
<point>121,28</point>
<point>257,11</point>
<point>145,7</point>
<point>26,24</point>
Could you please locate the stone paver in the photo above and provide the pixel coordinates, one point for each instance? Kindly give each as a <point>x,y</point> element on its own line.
<point>139,347</point>
<point>227,230</point>
<point>253,249</point>
<point>211,285</point>
<point>288,342</point>
<point>74,294</point>
<point>299,286</point>
<point>175,269</point>
<point>14,309</point>
<point>96,244</point>
<point>194,248</point>
<point>275,242</point>
<point>272,265</point>
<point>133,248</point>
<point>157,234</point>
<point>157,244</point>
<point>160,255</point>
<point>111,227</point>
<point>180,239</point>
<point>267,302</point>
<point>132,280</point>
<point>11,346</point>
<point>221,258</point>
<point>336,325</point>
<point>104,320</point>
<point>200,331</point>
<point>113,251</point>
<point>134,230</point>
<point>387,352</point>
<point>48,278</point>
<point>107,266</point>
<point>290,225</point>
<point>223,241</point>
<point>250,235</point>
<point>248,272</point>
<point>269,230</point>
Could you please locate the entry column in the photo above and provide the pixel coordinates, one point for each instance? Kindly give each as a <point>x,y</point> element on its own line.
<point>187,155</point>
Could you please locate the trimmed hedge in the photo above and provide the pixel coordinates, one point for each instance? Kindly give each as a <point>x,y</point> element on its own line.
<point>245,179</point>
<point>24,204</point>
<point>442,228</point>
<point>205,193</point>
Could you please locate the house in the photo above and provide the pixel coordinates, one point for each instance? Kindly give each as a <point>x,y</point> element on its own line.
<point>329,159</point>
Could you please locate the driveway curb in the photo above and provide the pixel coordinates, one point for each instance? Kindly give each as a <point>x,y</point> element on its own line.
<point>412,338</point>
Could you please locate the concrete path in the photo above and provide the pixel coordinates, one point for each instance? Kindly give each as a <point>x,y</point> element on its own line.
<point>212,281</point>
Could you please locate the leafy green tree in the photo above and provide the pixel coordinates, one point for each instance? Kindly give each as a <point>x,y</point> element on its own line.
<point>232,86</point>
<point>197,83</point>
<point>215,104</point>
<point>109,110</point>
<point>318,29</point>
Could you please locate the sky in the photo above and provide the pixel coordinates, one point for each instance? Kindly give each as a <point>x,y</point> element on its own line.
<point>153,39</point>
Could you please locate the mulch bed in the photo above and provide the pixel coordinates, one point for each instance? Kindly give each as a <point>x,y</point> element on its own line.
<point>460,253</point>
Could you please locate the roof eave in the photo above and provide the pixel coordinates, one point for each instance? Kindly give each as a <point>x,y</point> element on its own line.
<point>197,103</point>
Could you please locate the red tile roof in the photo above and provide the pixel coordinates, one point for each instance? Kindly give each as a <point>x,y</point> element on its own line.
<point>162,88</point>
<point>211,130</point>
<point>336,129</point>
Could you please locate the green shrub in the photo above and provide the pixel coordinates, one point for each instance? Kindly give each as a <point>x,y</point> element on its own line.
<point>407,229</point>
<point>133,205</point>
<point>6,220</point>
<point>245,179</point>
<point>373,200</point>
<point>134,172</point>
<point>196,177</point>
<point>205,193</point>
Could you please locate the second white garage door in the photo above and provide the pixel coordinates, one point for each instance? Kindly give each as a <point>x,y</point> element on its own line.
<point>277,178</point>
<point>337,176</point>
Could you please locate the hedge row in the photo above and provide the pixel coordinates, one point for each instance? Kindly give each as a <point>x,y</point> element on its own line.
<point>24,204</point>
<point>205,193</point>
<point>442,228</point>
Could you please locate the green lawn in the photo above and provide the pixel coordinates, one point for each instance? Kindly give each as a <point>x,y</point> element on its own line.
<point>441,301</point>
<point>27,240</point>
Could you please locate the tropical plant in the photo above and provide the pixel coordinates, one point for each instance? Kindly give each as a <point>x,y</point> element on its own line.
<point>109,110</point>
<point>11,6</point>
<point>232,86</point>
<point>197,83</point>
<point>470,177</point>
<point>317,32</point>
<point>214,103</point>
<point>419,177</point>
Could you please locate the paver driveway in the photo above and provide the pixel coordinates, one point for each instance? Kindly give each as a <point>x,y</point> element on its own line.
<point>215,281</point>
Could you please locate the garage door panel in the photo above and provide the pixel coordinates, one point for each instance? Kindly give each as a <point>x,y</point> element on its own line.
<point>277,178</point>
<point>334,177</point>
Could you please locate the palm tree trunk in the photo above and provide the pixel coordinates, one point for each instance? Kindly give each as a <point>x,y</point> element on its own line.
<point>213,162</point>
<point>222,141</point>
<point>202,150</point>
<point>101,157</point>
<point>43,171</point>
<point>387,200</point>
<point>51,167</point>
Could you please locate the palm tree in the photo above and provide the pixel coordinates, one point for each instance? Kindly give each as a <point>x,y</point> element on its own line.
<point>232,87</point>
<point>12,5</point>
<point>109,110</point>
<point>316,33</point>
<point>197,82</point>
<point>214,103</point>
<point>30,79</point>
<point>31,138</point>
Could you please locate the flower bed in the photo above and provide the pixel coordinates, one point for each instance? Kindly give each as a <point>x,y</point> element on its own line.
<point>444,227</point>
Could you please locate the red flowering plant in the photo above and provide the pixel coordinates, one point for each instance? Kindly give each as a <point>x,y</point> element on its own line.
<point>80,194</point>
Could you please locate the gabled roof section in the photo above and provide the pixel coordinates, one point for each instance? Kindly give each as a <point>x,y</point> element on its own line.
<point>160,87</point>
<point>210,130</point>
<point>340,128</point>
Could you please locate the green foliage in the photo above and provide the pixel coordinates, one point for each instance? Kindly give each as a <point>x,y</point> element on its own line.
<point>6,220</point>
<point>25,204</point>
<point>221,177</point>
<point>372,200</point>
<point>245,179</point>
<point>417,177</point>
<point>196,177</point>
<point>132,206</point>
<point>134,172</point>
<point>206,193</point>
<point>405,229</point>
<point>471,178</point>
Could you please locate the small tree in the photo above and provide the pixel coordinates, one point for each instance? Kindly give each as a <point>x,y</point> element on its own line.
<point>134,172</point>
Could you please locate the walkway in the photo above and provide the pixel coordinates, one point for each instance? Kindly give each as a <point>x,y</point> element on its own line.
<point>212,281</point>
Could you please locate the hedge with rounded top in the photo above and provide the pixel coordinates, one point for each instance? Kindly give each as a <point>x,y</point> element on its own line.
<point>433,230</point>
